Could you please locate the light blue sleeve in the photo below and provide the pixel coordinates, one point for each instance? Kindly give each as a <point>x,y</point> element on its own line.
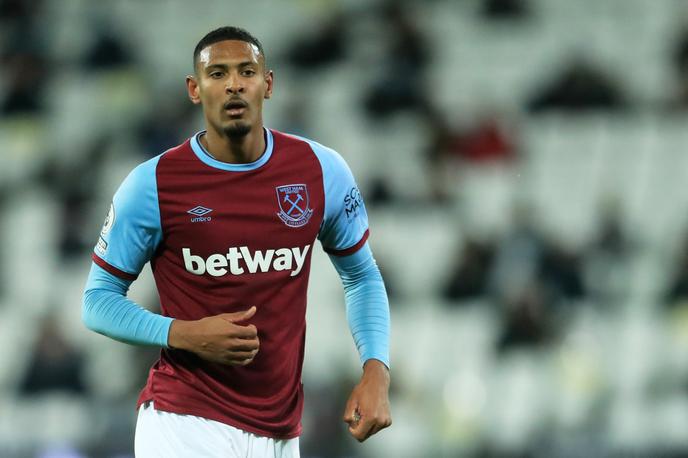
<point>367,307</point>
<point>132,231</point>
<point>106,310</point>
<point>130,235</point>
<point>345,224</point>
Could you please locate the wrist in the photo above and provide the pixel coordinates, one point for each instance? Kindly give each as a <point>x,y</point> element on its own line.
<point>376,368</point>
<point>176,338</point>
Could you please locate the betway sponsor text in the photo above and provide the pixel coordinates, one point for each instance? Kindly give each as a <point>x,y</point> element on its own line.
<point>240,261</point>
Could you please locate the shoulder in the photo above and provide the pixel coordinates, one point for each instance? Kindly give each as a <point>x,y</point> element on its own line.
<point>330,160</point>
<point>142,176</point>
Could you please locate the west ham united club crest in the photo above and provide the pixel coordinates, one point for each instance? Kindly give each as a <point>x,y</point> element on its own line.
<point>293,204</point>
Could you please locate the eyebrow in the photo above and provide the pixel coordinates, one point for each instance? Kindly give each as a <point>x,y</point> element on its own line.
<point>226,66</point>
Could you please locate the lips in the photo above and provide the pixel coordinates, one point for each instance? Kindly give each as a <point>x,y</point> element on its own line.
<point>235,104</point>
<point>235,107</point>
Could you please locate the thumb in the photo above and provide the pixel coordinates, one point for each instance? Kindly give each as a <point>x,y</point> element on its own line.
<point>351,415</point>
<point>240,316</point>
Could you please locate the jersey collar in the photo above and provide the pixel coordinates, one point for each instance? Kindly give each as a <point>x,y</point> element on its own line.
<point>206,158</point>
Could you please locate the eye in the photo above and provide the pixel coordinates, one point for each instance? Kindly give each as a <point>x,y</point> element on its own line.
<point>248,72</point>
<point>216,75</point>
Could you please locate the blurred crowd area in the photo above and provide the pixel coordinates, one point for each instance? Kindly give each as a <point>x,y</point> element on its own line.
<point>524,165</point>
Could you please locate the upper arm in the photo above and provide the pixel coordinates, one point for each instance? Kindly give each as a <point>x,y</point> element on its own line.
<point>344,229</point>
<point>132,230</point>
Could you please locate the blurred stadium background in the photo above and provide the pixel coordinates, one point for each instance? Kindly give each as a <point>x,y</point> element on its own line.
<point>524,164</point>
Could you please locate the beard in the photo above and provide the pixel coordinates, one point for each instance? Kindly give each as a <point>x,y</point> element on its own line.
<point>237,130</point>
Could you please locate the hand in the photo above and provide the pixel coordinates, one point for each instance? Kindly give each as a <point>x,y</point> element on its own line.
<point>367,410</point>
<point>218,338</point>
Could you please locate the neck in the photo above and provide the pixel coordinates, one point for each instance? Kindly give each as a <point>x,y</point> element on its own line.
<point>240,150</point>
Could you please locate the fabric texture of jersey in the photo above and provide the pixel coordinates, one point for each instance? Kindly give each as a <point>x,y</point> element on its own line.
<point>221,238</point>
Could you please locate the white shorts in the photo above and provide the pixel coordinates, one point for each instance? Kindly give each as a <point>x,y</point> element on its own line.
<point>170,435</point>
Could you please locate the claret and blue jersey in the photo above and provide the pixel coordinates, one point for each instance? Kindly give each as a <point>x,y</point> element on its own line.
<point>220,238</point>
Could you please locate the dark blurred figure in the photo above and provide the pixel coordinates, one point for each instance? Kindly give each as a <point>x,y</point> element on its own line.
<point>26,80</point>
<point>22,57</point>
<point>74,213</point>
<point>579,86</point>
<point>531,279</point>
<point>608,256</point>
<point>379,192</point>
<point>402,85</point>
<point>55,365</point>
<point>17,15</point>
<point>470,276</point>
<point>71,186</point>
<point>488,140</point>
<point>680,67</point>
<point>677,293</point>
<point>108,50</point>
<point>518,256</point>
<point>525,257</point>
<point>321,47</point>
<point>4,194</point>
<point>526,320</point>
<point>327,436</point>
<point>485,140</point>
<point>166,127</point>
<point>505,9</point>
<point>561,271</point>
<point>18,10</point>
<point>297,112</point>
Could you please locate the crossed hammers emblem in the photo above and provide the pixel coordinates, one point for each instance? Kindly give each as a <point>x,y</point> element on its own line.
<point>294,204</point>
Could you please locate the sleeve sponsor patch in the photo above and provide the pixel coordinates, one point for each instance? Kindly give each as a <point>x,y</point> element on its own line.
<point>353,203</point>
<point>109,221</point>
<point>101,246</point>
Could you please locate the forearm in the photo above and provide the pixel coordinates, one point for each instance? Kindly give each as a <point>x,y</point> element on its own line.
<point>367,306</point>
<point>106,310</point>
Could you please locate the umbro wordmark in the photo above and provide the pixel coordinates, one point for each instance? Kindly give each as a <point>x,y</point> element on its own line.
<point>239,261</point>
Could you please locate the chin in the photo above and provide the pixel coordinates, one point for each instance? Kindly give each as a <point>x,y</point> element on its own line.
<point>237,130</point>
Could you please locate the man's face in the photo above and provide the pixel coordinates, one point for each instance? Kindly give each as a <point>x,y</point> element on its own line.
<point>231,83</point>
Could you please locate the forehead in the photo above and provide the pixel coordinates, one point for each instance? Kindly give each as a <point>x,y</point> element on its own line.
<point>229,51</point>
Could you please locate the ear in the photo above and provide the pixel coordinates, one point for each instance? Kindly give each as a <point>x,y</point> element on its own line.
<point>269,77</point>
<point>192,89</point>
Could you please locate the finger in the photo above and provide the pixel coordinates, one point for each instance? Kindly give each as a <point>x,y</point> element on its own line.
<point>361,431</point>
<point>238,344</point>
<point>350,413</point>
<point>240,316</point>
<point>241,355</point>
<point>244,332</point>
<point>377,427</point>
<point>243,362</point>
<point>372,431</point>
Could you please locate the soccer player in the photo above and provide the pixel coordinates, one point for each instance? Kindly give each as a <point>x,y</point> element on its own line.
<point>228,220</point>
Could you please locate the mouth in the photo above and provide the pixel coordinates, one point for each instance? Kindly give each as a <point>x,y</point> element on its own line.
<point>235,107</point>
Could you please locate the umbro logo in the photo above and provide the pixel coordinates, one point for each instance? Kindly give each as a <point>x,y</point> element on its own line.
<point>199,213</point>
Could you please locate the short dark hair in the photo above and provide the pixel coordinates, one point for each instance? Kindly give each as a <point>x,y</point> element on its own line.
<point>226,33</point>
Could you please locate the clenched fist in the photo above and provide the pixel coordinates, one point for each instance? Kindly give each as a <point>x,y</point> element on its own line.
<point>218,338</point>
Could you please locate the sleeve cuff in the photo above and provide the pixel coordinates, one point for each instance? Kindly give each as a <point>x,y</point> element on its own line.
<point>350,250</point>
<point>113,270</point>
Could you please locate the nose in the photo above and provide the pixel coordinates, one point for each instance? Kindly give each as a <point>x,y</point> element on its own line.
<point>234,85</point>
